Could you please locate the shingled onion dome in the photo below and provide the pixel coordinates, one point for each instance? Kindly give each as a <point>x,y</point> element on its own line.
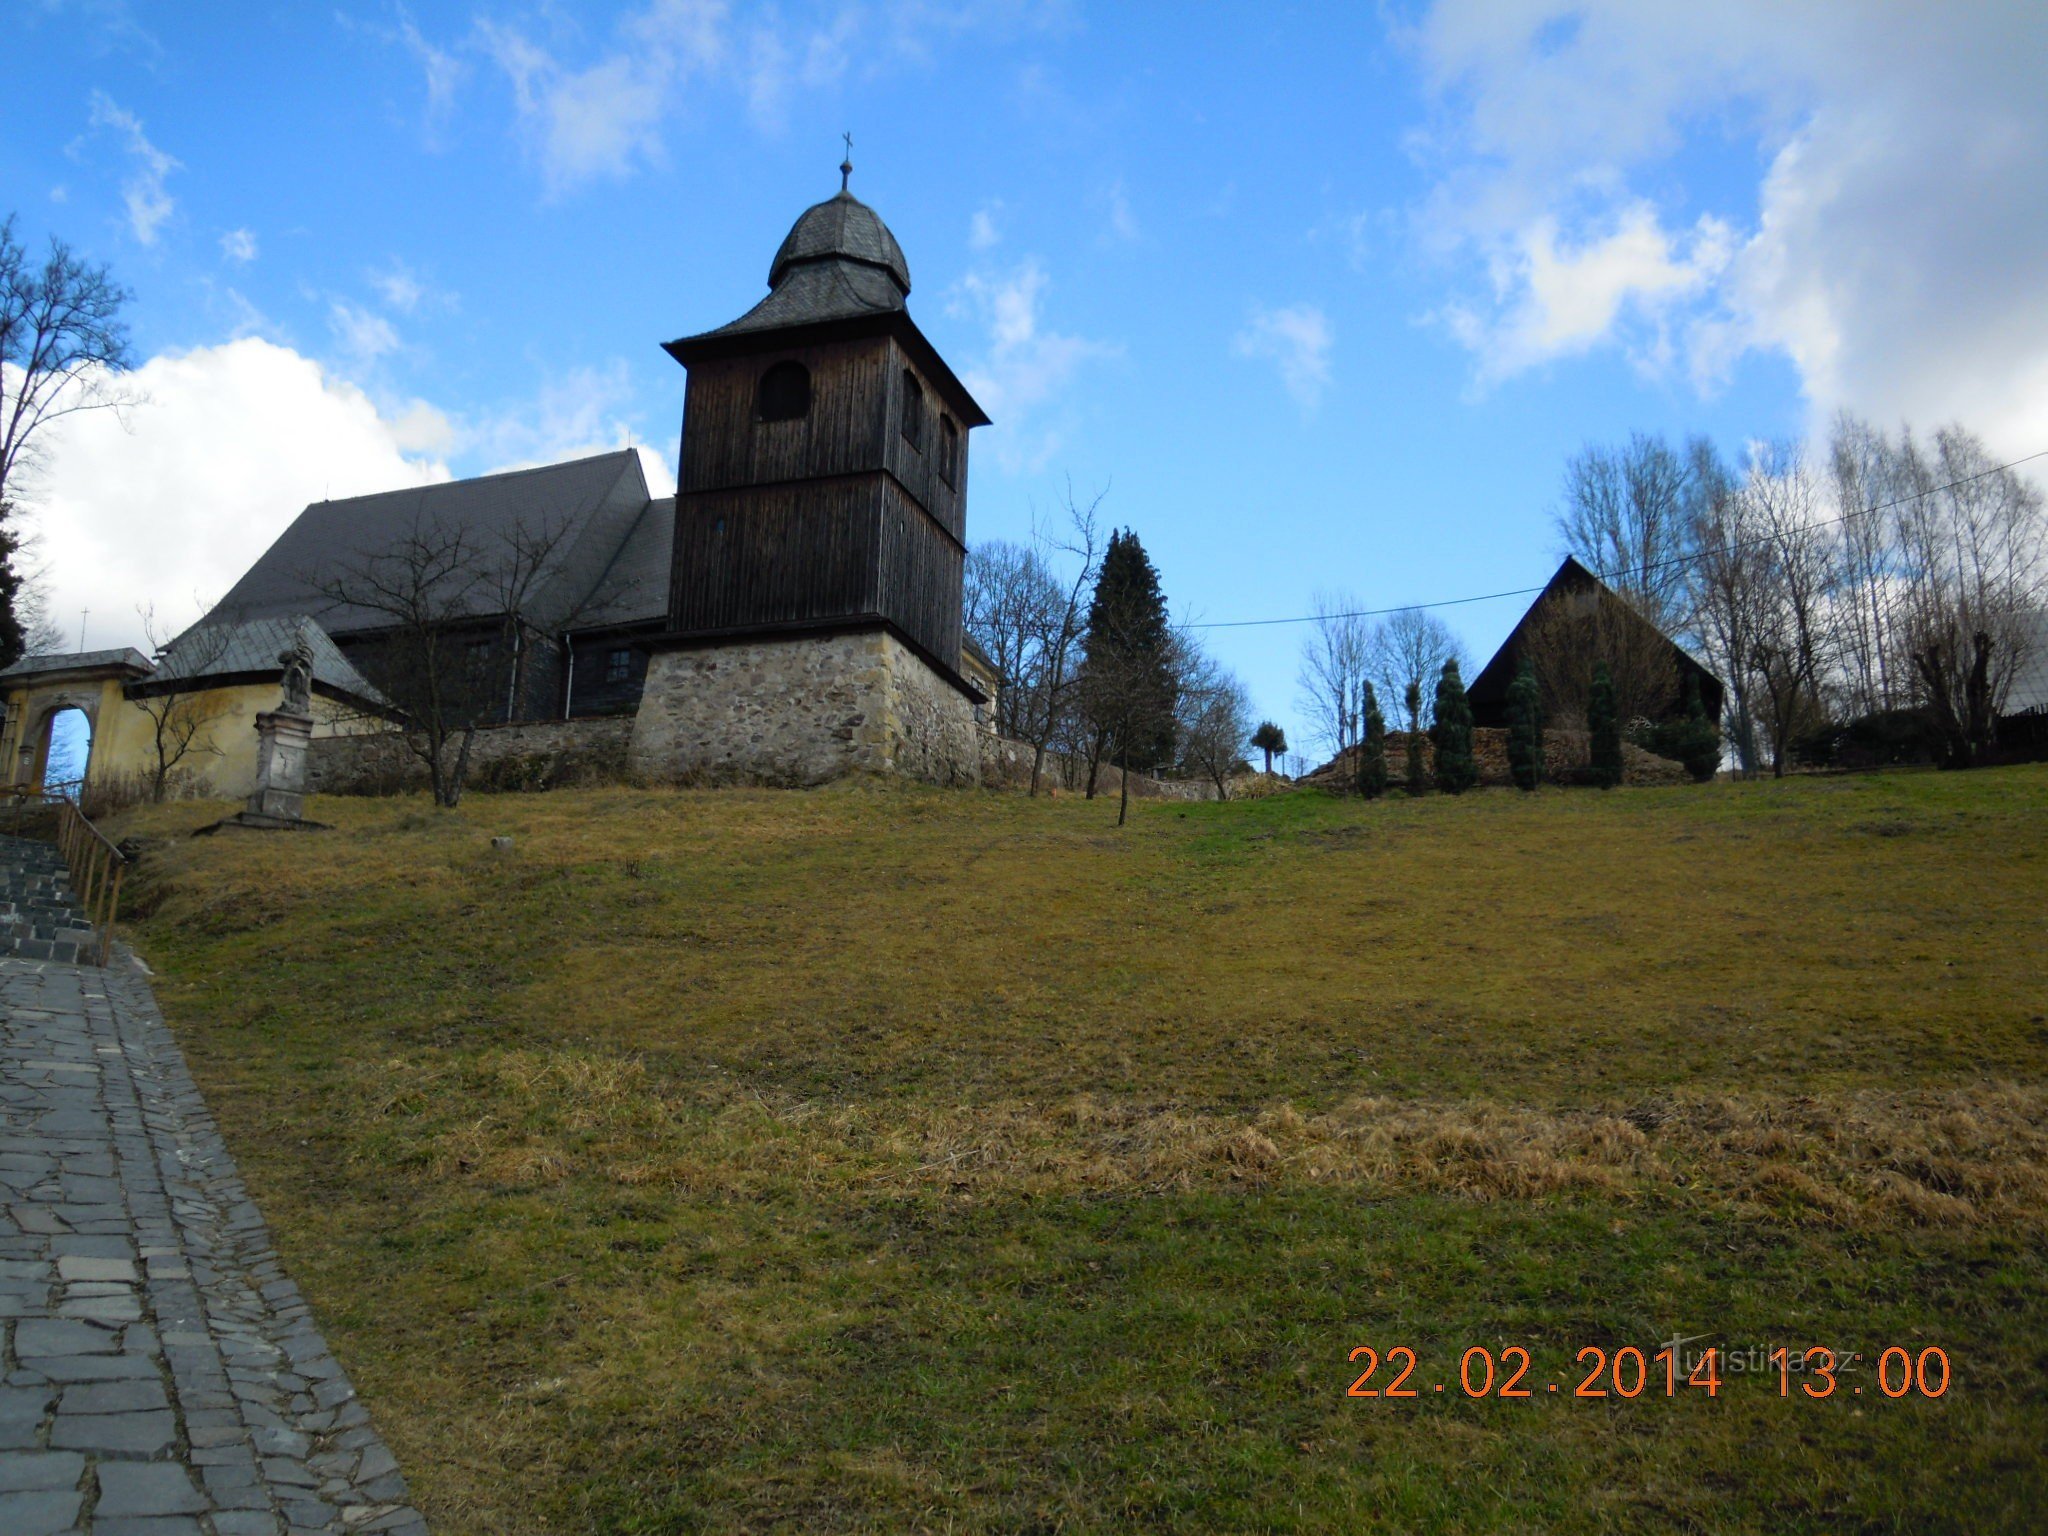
<point>838,262</point>
<point>841,229</point>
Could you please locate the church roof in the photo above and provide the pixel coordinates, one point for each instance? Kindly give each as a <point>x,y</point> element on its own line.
<point>590,504</point>
<point>634,587</point>
<point>838,262</point>
<point>254,648</point>
<point>838,272</point>
<point>121,657</point>
<point>841,229</point>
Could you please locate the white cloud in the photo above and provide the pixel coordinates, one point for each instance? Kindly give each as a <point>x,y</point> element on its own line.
<point>148,204</point>
<point>1555,299</point>
<point>1022,378</point>
<point>1889,246</point>
<point>1123,224</point>
<point>238,245</point>
<point>404,290</point>
<point>604,119</point>
<point>982,234</point>
<point>173,506</point>
<point>1297,340</point>
<point>362,336</point>
<point>589,113</point>
<point>442,69</point>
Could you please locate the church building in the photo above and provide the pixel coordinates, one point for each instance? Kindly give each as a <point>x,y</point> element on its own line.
<point>791,613</point>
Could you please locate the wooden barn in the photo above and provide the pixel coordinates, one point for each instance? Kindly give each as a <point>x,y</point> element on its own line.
<point>1577,621</point>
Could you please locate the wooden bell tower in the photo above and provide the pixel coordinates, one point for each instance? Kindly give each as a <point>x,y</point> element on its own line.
<point>820,531</point>
<point>824,454</point>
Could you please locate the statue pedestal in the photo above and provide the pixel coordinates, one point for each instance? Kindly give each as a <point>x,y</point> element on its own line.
<point>280,766</point>
<point>278,801</point>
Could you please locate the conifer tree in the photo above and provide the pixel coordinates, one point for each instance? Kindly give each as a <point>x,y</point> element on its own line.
<point>1418,781</point>
<point>1456,771</point>
<point>1129,684</point>
<point>1525,729</point>
<point>1372,749</point>
<point>1604,723</point>
<point>1699,739</point>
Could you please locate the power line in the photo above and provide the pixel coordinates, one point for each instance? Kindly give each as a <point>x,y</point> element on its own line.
<point>1687,559</point>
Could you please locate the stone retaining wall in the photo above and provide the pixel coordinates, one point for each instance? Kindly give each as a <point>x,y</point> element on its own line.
<point>530,754</point>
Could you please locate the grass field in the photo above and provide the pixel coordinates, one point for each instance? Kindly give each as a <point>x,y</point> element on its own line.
<point>887,1159</point>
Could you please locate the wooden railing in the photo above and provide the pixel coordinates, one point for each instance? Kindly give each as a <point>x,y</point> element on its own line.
<point>97,867</point>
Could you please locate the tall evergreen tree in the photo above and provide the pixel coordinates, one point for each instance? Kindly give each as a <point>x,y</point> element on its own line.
<point>1372,749</point>
<point>1456,771</point>
<point>1603,720</point>
<point>1525,728</point>
<point>1129,684</point>
<point>1699,739</point>
<point>1418,781</point>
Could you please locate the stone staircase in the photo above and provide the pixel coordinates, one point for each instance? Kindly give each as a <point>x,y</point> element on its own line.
<point>39,917</point>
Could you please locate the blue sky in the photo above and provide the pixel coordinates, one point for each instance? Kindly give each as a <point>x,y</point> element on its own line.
<point>1324,295</point>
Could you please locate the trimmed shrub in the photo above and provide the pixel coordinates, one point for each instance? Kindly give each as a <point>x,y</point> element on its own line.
<point>1456,771</point>
<point>1604,725</point>
<point>1525,729</point>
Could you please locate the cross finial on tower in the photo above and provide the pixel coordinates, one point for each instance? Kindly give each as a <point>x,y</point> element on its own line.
<point>846,165</point>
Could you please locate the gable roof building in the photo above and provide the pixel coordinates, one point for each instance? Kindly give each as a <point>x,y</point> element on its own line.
<point>1579,598</point>
<point>588,505</point>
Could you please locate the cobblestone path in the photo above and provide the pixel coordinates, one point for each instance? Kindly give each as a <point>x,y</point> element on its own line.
<point>162,1376</point>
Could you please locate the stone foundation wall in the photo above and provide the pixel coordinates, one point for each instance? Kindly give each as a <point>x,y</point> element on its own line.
<point>802,710</point>
<point>532,754</point>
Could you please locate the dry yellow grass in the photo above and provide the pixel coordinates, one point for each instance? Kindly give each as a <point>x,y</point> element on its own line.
<point>888,1159</point>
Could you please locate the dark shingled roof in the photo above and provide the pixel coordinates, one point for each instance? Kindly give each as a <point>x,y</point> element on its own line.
<point>634,589</point>
<point>838,262</point>
<point>217,653</point>
<point>596,499</point>
<point>77,661</point>
<point>841,228</point>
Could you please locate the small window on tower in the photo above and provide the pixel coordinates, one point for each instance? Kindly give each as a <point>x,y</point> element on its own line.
<point>949,451</point>
<point>618,667</point>
<point>785,393</point>
<point>913,411</point>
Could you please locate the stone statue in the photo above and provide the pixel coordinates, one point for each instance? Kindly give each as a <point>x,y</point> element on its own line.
<point>298,678</point>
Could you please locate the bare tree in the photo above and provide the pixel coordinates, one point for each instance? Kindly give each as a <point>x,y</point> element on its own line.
<point>63,346</point>
<point>1973,548</point>
<point>1726,565</point>
<point>464,631</point>
<point>1011,603</point>
<point>1793,574</point>
<point>1410,648</point>
<point>1030,618</point>
<point>1624,514</point>
<point>63,350</point>
<point>1215,715</point>
<point>179,717</point>
<point>1336,658</point>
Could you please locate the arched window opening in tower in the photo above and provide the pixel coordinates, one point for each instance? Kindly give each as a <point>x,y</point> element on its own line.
<point>949,451</point>
<point>785,393</point>
<point>913,411</point>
